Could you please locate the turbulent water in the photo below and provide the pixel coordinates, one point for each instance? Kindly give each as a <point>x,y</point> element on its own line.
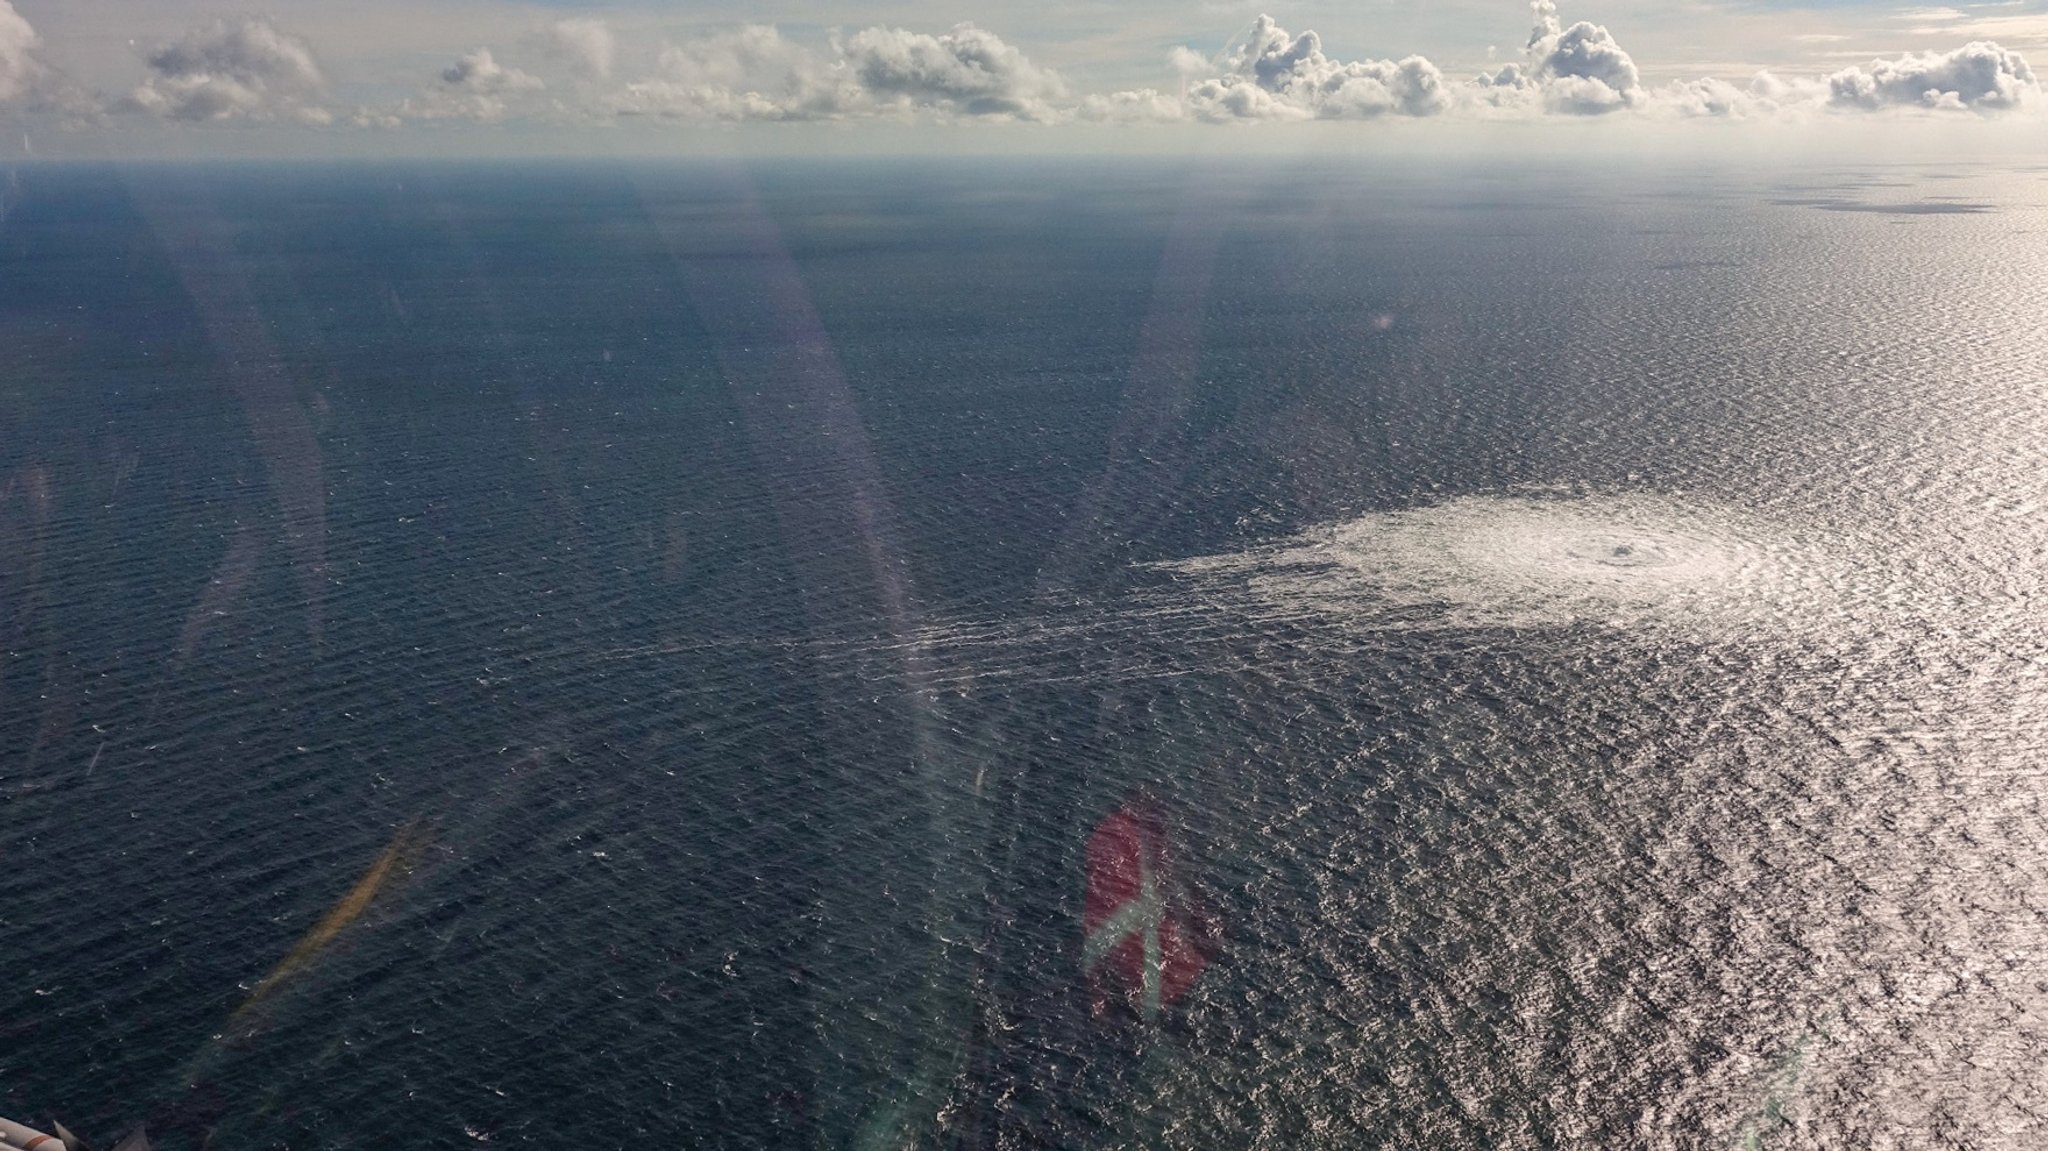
<point>634,656</point>
<point>1514,561</point>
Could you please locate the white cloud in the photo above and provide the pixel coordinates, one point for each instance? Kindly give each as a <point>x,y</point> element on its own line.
<point>1274,75</point>
<point>380,118</point>
<point>19,68</point>
<point>29,84</point>
<point>755,73</point>
<point>1775,91</point>
<point>1581,69</point>
<point>1188,62</point>
<point>475,87</point>
<point>749,73</point>
<point>249,69</point>
<point>228,70</point>
<point>966,71</point>
<point>587,43</point>
<point>1979,75</point>
<point>1766,95</point>
<point>752,56</point>
<point>1271,74</point>
<point>480,72</point>
<point>1512,87</point>
<point>1137,106</point>
<point>1705,97</point>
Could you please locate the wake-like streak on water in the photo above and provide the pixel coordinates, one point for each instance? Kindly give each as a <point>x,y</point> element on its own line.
<point>1626,565</point>
<point>1459,573</point>
<point>1630,854</point>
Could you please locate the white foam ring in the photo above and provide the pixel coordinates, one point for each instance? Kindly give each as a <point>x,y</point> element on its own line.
<point>1531,560</point>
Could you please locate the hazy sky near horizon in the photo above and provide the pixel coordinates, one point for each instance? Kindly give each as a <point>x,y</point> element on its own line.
<point>111,77</point>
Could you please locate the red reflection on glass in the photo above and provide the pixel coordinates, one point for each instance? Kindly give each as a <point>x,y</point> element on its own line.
<point>1145,943</point>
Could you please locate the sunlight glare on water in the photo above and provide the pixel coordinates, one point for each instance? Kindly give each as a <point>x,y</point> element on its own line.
<point>1604,708</point>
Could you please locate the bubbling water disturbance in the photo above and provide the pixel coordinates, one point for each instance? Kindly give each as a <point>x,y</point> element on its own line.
<point>1527,559</point>
<point>1530,560</point>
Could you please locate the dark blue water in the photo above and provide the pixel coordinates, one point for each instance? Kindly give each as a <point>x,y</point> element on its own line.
<point>632,655</point>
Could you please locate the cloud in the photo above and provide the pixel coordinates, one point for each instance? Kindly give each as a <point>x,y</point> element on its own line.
<point>587,43</point>
<point>386,119</point>
<point>1274,75</point>
<point>1188,62</point>
<point>752,56</point>
<point>475,87</point>
<point>1766,95</point>
<point>1713,98</point>
<point>1137,106</point>
<point>1580,70</point>
<point>29,84</point>
<point>1271,74</point>
<point>748,73</point>
<point>966,71</point>
<point>755,73</point>
<point>1512,87</point>
<point>248,69</point>
<point>19,67</point>
<point>229,70</point>
<point>480,72</point>
<point>1706,97</point>
<point>1979,75</point>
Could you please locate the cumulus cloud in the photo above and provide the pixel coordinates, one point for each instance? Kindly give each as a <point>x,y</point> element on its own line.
<point>228,70</point>
<point>1271,74</point>
<point>19,68</point>
<point>1707,97</point>
<point>587,43</point>
<point>29,84</point>
<point>1275,75</point>
<point>480,72</point>
<point>1512,87</point>
<point>1979,75</point>
<point>749,73</point>
<point>1580,69</point>
<point>752,56</point>
<point>755,73</point>
<point>1772,90</point>
<point>475,87</point>
<point>1140,105</point>
<point>967,71</point>
<point>249,69</point>
<point>1766,95</point>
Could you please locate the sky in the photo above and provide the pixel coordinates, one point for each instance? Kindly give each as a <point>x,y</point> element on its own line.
<point>115,78</point>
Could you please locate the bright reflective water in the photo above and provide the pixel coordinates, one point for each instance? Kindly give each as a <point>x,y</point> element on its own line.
<point>505,655</point>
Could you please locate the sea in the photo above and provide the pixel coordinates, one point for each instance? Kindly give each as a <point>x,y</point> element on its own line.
<point>639,654</point>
